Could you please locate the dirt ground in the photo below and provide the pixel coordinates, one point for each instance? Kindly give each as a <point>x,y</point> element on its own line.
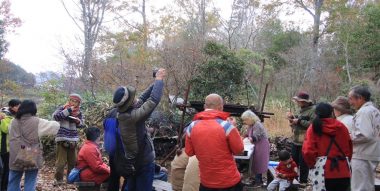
<point>46,179</point>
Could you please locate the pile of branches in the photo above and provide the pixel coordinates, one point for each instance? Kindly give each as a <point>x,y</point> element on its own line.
<point>164,132</point>
<point>95,112</point>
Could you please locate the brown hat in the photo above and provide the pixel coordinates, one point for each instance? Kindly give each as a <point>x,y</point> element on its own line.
<point>302,96</point>
<point>341,104</point>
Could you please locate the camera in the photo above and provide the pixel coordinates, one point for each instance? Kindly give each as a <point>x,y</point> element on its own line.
<point>155,70</point>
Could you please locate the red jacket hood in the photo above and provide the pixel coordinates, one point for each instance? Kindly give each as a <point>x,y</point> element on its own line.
<point>211,114</point>
<point>331,126</point>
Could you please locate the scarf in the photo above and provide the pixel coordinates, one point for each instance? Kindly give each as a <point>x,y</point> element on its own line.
<point>75,111</point>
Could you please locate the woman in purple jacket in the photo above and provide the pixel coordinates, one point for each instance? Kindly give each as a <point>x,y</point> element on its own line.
<point>257,135</point>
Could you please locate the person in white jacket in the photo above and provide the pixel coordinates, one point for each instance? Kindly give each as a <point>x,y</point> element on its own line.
<point>343,112</point>
<point>365,138</point>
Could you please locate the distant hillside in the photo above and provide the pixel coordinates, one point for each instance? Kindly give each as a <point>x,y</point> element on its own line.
<point>43,77</point>
<point>13,72</point>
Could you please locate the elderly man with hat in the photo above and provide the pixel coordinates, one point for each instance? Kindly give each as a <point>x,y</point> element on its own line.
<point>299,124</point>
<point>138,146</point>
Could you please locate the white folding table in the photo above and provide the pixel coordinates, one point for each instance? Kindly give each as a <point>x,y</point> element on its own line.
<point>249,147</point>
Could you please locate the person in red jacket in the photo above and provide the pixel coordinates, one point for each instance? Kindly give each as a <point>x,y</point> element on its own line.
<point>214,140</point>
<point>90,159</point>
<point>286,171</point>
<point>327,150</point>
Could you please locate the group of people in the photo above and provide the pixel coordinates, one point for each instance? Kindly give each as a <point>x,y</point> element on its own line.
<point>20,143</point>
<point>206,161</point>
<point>21,151</point>
<point>332,146</point>
<point>336,148</point>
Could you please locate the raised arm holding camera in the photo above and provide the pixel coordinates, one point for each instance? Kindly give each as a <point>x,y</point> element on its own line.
<point>138,146</point>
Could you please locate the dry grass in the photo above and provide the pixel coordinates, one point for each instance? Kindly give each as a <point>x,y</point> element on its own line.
<point>277,125</point>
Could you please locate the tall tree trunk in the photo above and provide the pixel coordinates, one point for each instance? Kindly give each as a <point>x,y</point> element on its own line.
<point>203,20</point>
<point>347,63</point>
<point>317,6</point>
<point>92,18</point>
<point>145,26</point>
<point>317,21</point>
<point>87,57</point>
<point>315,62</point>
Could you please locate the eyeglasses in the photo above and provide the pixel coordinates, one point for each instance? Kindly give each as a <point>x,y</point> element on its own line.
<point>73,100</point>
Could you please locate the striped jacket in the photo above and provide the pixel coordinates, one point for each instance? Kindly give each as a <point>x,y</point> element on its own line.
<point>68,127</point>
<point>214,141</point>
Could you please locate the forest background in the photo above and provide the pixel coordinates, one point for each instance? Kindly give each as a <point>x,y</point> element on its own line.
<point>234,57</point>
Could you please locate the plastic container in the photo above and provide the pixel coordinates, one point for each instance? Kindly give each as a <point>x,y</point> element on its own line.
<point>273,163</point>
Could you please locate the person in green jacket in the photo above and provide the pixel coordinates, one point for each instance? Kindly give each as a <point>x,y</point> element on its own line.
<point>6,116</point>
<point>299,124</point>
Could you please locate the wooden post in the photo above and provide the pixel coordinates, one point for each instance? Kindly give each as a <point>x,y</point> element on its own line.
<point>263,102</point>
<point>261,81</point>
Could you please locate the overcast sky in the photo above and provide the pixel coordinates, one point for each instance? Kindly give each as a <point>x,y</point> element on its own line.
<point>45,26</point>
<point>36,43</point>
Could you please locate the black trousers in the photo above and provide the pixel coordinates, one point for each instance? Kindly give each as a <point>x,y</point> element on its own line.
<point>5,174</point>
<point>337,184</point>
<point>298,158</point>
<point>114,179</point>
<point>237,187</point>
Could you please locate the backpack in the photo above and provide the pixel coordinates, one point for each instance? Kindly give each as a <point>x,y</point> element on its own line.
<point>74,175</point>
<point>124,166</point>
<point>110,131</point>
<point>29,156</point>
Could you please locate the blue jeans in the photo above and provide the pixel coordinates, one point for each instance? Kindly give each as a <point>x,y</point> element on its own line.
<point>161,176</point>
<point>143,180</point>
<point>15,180</point>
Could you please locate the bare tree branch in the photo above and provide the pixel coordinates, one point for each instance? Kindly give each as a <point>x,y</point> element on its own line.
<point>302,4</point>
<point>126,22</point>
<point>67,11</point>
